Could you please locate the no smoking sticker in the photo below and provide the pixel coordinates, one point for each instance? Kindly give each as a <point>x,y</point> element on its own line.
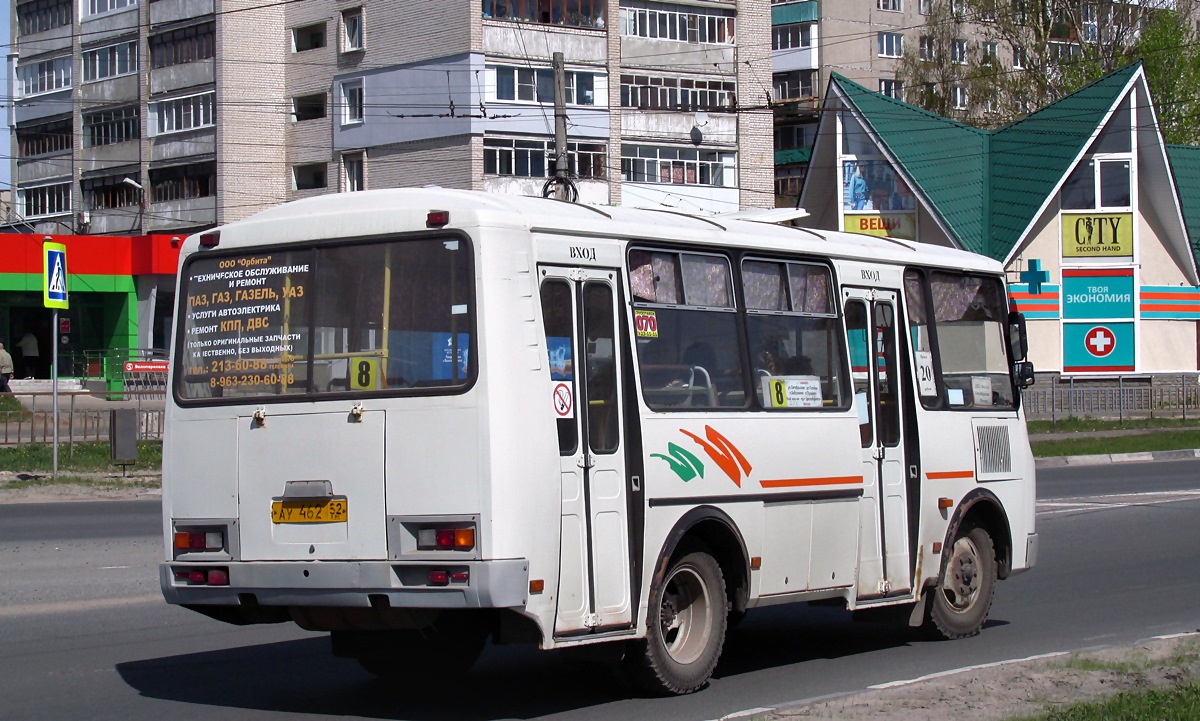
<point>564,401</point>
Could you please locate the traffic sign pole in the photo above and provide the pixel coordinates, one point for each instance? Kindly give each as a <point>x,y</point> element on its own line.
<point>54,295</point>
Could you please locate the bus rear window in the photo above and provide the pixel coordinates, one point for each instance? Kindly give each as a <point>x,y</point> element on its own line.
<point>352,318</point>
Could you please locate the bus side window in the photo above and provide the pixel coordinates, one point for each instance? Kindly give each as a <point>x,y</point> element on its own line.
<point>858,335</point>
<point>558,320</point>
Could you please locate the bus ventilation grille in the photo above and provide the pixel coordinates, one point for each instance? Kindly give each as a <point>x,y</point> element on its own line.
<point>995,454</point>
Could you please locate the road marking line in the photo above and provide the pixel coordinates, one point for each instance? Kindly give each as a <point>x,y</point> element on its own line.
<point>95,604</point>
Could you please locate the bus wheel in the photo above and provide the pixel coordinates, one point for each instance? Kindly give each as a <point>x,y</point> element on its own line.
<point>685,628</point>
<point>963,596</point>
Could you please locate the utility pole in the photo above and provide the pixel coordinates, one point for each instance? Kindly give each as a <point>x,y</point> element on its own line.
<point>560,126</point>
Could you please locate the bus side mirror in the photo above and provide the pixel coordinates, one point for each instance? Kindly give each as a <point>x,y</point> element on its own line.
<point>1018,340</point>
<point>1023,374</point>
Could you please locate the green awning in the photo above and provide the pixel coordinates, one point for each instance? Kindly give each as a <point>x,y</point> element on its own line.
<point>801,12</point>
<point>795,155</point>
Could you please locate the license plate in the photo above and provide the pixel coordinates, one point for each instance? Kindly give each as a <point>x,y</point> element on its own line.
<point>312,511</point>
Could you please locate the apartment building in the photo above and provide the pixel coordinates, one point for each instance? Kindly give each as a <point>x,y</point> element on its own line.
<point>168,116</point>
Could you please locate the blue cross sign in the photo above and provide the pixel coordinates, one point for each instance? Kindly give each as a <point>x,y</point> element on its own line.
<point>1034,276</point>
<point>54,272</point>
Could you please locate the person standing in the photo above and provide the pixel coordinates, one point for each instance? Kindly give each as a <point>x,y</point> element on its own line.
<point>29,354</point>
<point>6,369</point>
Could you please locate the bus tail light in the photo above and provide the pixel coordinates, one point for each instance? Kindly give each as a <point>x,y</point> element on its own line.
<point>199,540</point>
<point>437,218</point>
<point>210,239</point>
<point>441,577</point>
<point>446,539</point>
<point>202,576</point>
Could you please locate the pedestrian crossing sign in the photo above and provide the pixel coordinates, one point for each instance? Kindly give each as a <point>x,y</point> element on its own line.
<point>54,272</point>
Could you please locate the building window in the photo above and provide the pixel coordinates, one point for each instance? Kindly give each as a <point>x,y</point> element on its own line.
<point>958,51</point>
<point>891,88</point>
<point>924,7</point>
<point>106,127</point>
<point>44,77</point>
<point>308,107</point>
<point>109,192</point>
<point>788,137</point>
<point>894,6</point>
<point>109,62</point>
<point>42,15</point>
<point>308,177</point>
<point>352,102</point>
<point>959,97</point>
<point>655,93</point>
<point>927,48</point>
<point>956,8</point>
<point>352,30</point>
<point>44,138</point>
<point>794,35</point>
<point>99,7</point>
<point>571,13</point>
<point>183,182</point>
<point>179,114</point>
<point>309,37</point>
<point>990,52</point>
<point>534,158</point>
<point>676,165</point>
<point>45,200</point>
<point>1019,58</point>
<point>891,45</point>
<point>790,179</point>
<point>353,173</point>
<point>185,45</point>
<point>684,23</point>
<point>795,85</point>
<point>537,85</point>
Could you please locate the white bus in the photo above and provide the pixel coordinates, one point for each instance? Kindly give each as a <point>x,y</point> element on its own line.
<point>419,419</point>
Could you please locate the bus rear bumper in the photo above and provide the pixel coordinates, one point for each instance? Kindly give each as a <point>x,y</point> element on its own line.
<point>466,584</point>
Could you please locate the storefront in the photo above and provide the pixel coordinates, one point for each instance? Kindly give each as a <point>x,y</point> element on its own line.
<point>122,291</point>
<point>1082,201</point>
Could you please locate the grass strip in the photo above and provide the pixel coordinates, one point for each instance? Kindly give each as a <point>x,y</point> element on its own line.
<point>1139,443</point>
<point>1178,704</point>
<point>1084,425</point>
<point>86,457</point>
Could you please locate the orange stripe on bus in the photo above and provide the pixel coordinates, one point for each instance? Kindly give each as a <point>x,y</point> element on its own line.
<point>794,482</point>
<point>946,475</point>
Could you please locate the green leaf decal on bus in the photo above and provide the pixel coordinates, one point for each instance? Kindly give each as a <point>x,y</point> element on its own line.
<point>685,464</point>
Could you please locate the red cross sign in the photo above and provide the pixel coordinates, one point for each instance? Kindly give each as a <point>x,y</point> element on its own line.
<point>1100,341</point>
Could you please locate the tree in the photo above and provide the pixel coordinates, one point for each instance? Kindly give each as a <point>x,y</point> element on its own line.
<point>1021,54</point>
<point>1171,58</point>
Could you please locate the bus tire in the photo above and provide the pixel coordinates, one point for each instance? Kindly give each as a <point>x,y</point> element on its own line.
<point>960,602</point>
<point>685,632</point>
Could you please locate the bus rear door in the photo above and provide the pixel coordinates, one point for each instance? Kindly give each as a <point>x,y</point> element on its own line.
<point>580,312</point>
<point>884,564</point>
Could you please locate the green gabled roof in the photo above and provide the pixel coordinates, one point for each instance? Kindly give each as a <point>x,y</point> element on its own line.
<point>1185,166</point>
<point>986,187</point>
<point>1030,156</point>
<point>943,159</point>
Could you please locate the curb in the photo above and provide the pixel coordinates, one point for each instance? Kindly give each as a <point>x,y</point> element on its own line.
<point>1103,458</point>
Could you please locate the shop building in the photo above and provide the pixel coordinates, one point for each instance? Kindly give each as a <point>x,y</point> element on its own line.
<point>1095,217</point>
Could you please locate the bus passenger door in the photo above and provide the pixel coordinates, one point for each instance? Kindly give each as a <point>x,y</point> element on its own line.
<point>884,564</point>
<point>579,307</point>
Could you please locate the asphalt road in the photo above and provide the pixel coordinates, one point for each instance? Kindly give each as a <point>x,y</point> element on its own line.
<point>84,633</point>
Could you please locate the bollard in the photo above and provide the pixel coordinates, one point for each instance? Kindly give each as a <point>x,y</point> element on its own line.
<point>122,437</point>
